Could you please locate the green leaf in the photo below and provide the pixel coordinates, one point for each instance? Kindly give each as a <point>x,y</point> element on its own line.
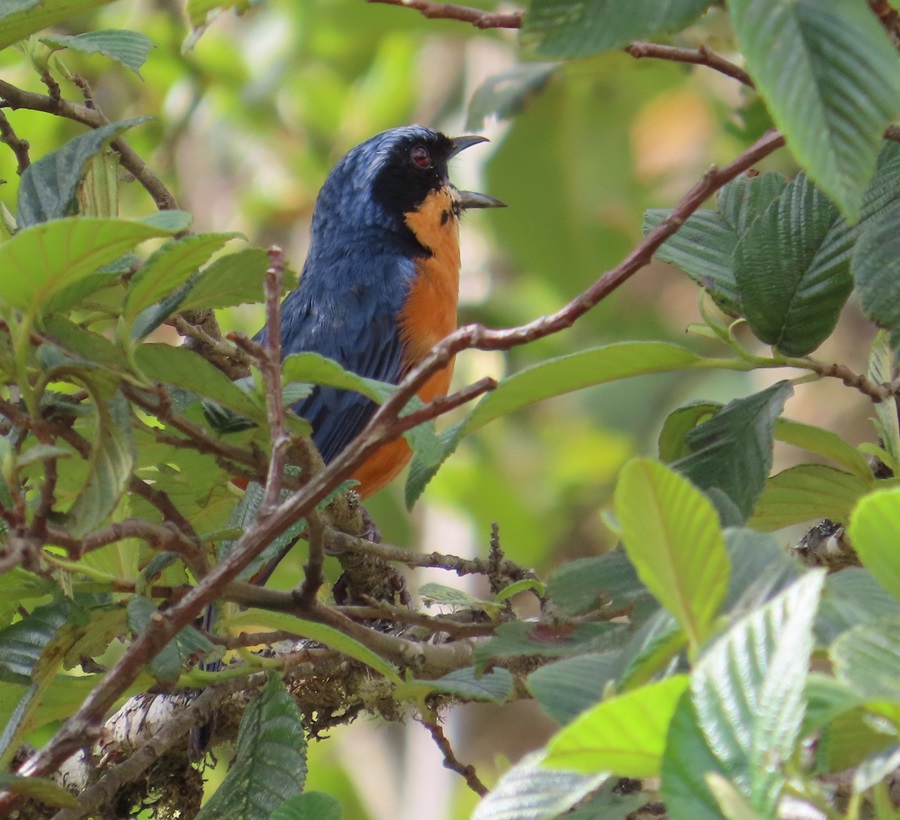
<point>519,638</point>
<point>111,460</point>
<point>877,273</point>
<point>41,789</point>
<point>171,222</point>
<point>826,444</point>
<point>704,246</point>
<point>312,368</point>
<point>22,643</point>
<point>625,734</point>
<point>806,492</point>
<point>671,534</point>
<point>881,371</point>
<point>686,765</point>
<point>586,584</point>
<point>874,529</point>
<point>236,279</point>
<point>748,690</point>
<point>42,260</point>
<point>760,570</point>
<point>198,11</point>
<point>832,111</point>
<point>580,28</point>
<point>20,18</point>
<point>317,632</point>
<point>550,378</point>
<point>792,293</point>
<point>443,595</point>
<point>568,687</point>
<point>269,763</point>
<point>867,659</point>
<point>732,452</point>
<point>188,643</point>
<point>528,791</point>
<point>126,47</point>
<point>309,806</point>
<point>49,186</point>
<point>168,268</point>
<point>495,686</point>
<point>506,93</point>
<point>852,597</point>
<point>183,368</point>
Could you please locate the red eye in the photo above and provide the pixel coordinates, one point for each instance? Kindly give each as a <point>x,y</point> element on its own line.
<point>421,156</point>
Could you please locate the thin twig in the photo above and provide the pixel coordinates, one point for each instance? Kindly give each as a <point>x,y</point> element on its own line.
<point>451,761</point>
<point>465,14</point>
<point>16,98</point>
<point>19,146</point>
<point>270,369</point>
<point>695,56</point>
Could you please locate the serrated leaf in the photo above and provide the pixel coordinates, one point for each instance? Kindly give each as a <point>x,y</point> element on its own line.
<point>528,791</point>
<point>748,690</point>
<point>126,47</point>
<point>732,452</point>
<point>110,463</point>
<point>168,268</point>
<point>760,570</point>
<point>450,596</point>
<point>505,94</point>
<point>832,111</point>
<point>312,368</point>
<point>235,279</point>
<point>804,493</point>
<point>671,534</point>
<point>791,291</point>
<point>580,28</point>
<point>625,735</point>
<point>22,643</point>
<point>20,18</point>
<point>309,806</point>
<point>270,759</point>
<point>495,686</point>
<point>317,632</point>
<point>550,378</point>
<point>704,246</point>
<point>568,687</point>
<point>49,186</point>
<point>42,260</point>
<point>874,529</point>
<point>877,275</point>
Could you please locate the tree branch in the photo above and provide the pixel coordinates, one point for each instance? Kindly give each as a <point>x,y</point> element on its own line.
<point>450,759</point>
<point>464,14</point>
<point>18,146</point>
<point>696,56</point>
<point>16,98</point>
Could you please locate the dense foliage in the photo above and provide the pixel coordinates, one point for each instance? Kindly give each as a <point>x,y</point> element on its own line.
<point>701,667</point>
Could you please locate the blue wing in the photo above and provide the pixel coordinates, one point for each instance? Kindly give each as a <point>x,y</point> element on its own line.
<point>346,310</point>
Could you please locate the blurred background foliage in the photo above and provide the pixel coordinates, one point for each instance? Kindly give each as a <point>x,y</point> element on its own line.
<point>248,123</point>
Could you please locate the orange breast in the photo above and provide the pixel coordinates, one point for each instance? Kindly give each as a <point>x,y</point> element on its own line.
<point>427,317</point>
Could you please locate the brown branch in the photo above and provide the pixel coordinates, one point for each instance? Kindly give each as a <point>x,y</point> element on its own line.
<point>16,98</point>
<point>464,14</point>
<point>18,146</point>
<point>467,771</point>
<point>696,56</point>
<point>338,542</point>
<point>202,334</point>
<point>157,535</point>
<point>270,369</point>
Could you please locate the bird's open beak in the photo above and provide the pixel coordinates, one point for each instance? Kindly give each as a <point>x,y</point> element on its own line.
<point>471,199</point>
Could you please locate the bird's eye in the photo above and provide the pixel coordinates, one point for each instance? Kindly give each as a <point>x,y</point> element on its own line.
<point>421,156</point>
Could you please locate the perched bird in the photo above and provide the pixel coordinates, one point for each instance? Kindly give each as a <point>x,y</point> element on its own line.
<point>381,281</point>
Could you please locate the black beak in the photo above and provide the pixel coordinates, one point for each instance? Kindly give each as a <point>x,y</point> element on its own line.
<point>470,199</point>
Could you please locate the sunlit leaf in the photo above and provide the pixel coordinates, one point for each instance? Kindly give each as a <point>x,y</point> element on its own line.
<point>874,529</point>
<point>20,18</point>
<point>130,48</point>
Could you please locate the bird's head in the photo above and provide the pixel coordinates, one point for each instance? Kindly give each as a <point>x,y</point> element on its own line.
<point>397,173</point>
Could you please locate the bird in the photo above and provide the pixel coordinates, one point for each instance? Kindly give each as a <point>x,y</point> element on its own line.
<point>380,284</point>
